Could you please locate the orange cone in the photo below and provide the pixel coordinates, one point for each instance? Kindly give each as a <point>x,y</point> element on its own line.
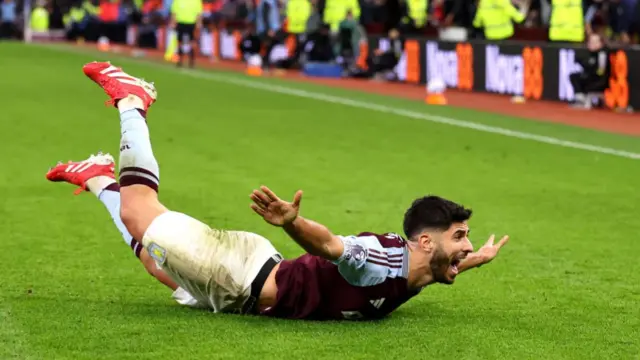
<point>254,71</point>
<point>436,99</point>
<point>435,92</point>
<point>254,65</point>
<point>103,44</point>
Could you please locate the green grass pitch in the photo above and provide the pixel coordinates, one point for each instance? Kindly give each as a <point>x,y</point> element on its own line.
<point>567,286</point>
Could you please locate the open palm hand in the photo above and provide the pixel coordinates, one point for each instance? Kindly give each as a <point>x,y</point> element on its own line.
<point>274,210</point>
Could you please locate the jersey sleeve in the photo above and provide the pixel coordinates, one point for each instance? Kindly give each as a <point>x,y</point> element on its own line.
<point>363,261</point>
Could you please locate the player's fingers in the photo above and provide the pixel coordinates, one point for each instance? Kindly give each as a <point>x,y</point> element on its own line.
<point>259,204</point>
<point>269,193</point>
<point>491,240</point>
<point>297,198</point>
<point>503,241</point>
<point>257,209</point>
<point>261,197</point>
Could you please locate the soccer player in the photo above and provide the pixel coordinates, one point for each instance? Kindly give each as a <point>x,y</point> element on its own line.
<point>355,277</point>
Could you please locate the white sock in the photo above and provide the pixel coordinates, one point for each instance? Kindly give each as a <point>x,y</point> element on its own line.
<point>99,183</point>
<point>108,192</point>
<point>137,163</point>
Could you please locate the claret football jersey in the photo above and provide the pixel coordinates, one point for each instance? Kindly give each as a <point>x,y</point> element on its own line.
<point>368,281</point>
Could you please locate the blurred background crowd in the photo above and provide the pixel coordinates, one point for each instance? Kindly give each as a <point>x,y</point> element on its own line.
<point>331,30</point>
<point>615,20</point>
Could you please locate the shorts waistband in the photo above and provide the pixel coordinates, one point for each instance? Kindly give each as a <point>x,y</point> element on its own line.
<point>250,306</point>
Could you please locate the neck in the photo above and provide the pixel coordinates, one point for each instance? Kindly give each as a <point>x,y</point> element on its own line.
<point>420,274</point>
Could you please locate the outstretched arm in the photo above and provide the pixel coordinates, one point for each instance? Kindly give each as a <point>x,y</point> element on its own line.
<point>313,237</point>
<point>350,254</point>
<point>484,255</point>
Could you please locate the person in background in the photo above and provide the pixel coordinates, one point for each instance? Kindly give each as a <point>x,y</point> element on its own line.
<point>151,14</point>
<point>320,47</point>
<point>349,35</point>
<point>413,15</point>
<point>313,31</point>
<point>75,21</point>
<point>621,19</point>
<point>595,74</point>
<point>207,13</point>
<point>298,13</point>
<point>230,9</point>
<point>314,22</point>
<point>8,19</point>
<point>567,23</point>
<point>250,43</point>
<point>246,9</point>
<point>383,61</point>
<point>336,10</point>
<point>534,15</point>
<point>109,14</point>
<point>594,15</point>
<point>92,26</point>
<point>39,20</point>
<point>186,16</point>
<point>496,18</point>
<point>268,27</point>
<point>216,12</point>
<point>152,8</point>
<point>435,15</point>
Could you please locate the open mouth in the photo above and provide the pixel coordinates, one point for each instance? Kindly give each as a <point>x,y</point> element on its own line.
<point>455,263</point>
<point>454,266</point>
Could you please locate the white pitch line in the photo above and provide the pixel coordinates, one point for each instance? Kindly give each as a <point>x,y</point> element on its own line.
<point>389,110</point>
<point>410,114</point>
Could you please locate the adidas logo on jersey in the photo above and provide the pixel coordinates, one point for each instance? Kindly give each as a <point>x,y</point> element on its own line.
<point>377,303</point>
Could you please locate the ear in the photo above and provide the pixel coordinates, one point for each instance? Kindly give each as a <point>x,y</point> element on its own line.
<point>426,242</point>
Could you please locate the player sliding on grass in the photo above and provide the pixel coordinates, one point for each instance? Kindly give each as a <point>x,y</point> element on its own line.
<point>365,276</point>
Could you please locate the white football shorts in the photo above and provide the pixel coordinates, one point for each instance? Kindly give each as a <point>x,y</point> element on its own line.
<point>216,267</point>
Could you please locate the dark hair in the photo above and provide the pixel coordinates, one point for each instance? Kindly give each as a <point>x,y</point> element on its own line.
<point>433,212</point>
